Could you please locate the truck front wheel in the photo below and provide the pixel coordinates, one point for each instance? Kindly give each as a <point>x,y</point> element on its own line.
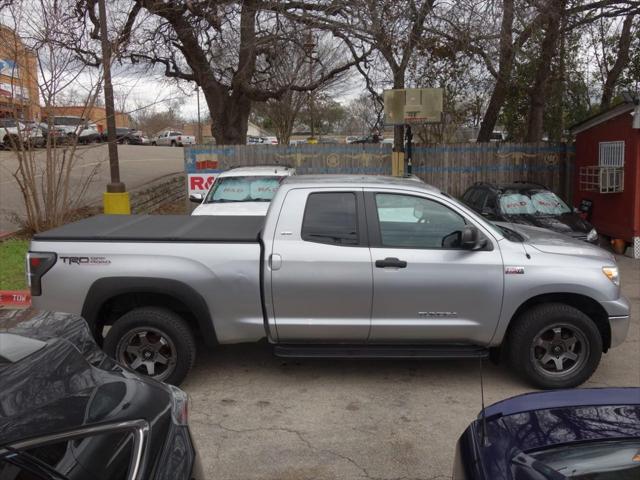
<point>554,346</point>
<point>153,341</point>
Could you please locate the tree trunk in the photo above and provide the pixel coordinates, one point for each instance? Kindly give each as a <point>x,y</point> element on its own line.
<point>622,60</point>
<point>538,94</point>
<point>505,66</point>
<point>229,117</point>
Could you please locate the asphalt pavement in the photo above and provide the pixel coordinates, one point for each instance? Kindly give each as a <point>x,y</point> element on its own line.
<point>138,166</point>
<point>255,416</point>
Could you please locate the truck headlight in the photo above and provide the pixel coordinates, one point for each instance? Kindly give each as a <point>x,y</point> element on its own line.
<point>612,274</point>
<point>592,236</point>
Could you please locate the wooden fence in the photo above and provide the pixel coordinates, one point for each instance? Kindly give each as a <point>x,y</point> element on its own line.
<point>451,167</point>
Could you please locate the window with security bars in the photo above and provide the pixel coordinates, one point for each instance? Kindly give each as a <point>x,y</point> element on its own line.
<point>611,154</point>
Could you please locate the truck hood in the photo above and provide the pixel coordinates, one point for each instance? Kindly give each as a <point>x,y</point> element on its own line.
<point>551,242</point>
<point>232,208</point>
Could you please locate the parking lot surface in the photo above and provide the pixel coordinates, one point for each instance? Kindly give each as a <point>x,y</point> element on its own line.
<point>138,165</point>
<point>255,416</point>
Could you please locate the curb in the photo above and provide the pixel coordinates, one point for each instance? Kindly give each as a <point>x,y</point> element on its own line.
<point>15,298</point>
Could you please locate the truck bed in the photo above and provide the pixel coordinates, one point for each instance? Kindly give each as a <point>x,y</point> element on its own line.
<point>159,228</point>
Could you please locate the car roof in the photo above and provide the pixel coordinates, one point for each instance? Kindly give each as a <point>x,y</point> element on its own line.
<point>276,170</point>
<point>373,181</point>
<point>564,398</point>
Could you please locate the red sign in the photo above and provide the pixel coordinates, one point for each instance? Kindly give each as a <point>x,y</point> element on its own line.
<point>15,298</point>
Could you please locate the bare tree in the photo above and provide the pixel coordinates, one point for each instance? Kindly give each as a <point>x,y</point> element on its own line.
<point>52,182</point>
<point>225,47</point>
<point>622,58</point>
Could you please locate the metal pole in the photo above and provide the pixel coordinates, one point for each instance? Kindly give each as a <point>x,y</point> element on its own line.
<point>199,124</point>
<point>116,200</point>
<point>409,138</point>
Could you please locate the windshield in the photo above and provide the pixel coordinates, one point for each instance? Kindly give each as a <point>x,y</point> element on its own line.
<point>611,460</point>
<point>496,229</point>
<point>244,189</point>
<point>532,202</point>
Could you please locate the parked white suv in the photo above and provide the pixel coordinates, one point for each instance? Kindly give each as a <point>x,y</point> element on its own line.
<point>242,191</point>
<point>173,138</point>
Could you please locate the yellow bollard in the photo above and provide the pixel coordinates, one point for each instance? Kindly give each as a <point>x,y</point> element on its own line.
<point>397,164</point>
<point>116,203</point>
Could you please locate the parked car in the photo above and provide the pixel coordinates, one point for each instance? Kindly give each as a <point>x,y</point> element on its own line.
<point>341,266</point>
<point>528,204</point>
<point>10,132</point>
<point>242,191</point>
<point>269,140</point>
<point>582,434</point>
<point>128,136</point>
<point>254,140</point>
<point>68,411</point>
<point>35,134</point>
<point>173,138</point>
<point>72,128</point>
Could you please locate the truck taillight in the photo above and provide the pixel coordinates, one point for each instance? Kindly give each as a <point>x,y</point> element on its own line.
<point>179,138</point>
<point>38,263</point>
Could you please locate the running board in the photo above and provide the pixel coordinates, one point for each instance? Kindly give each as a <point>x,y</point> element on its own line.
<point>380,351</point>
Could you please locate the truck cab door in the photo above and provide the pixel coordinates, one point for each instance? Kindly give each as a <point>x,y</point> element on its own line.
<point>320,268</point>
<point>427,288</point>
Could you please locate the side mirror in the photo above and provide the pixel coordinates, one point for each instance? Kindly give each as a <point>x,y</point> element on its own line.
<point>196,197</point>
<point>471,239</point>
<point>487,212</point>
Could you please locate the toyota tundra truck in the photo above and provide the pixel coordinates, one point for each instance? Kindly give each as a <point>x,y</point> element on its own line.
<point>341,266</point>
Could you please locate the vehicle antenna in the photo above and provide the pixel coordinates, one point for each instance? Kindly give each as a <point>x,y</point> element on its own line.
<point>524,246</point>
<point>483,416</point>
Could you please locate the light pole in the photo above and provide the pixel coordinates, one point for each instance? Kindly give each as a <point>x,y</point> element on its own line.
<point>116,198</point>
<point>309,46</point>
<point>199,137</point>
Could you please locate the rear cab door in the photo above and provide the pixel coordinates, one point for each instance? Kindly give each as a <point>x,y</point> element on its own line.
<point>318,275</point>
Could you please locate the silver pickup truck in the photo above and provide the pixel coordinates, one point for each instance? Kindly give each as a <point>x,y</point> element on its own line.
<point>340,267</point>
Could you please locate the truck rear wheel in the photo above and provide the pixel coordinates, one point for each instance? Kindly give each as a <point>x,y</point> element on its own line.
<point>153,341</point>
<point>554,346</point>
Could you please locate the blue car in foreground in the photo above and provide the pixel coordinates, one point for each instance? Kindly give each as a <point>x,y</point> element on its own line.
<point>583,434</point>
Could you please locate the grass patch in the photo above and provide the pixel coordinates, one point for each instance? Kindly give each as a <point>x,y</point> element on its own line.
<point>12,253</point>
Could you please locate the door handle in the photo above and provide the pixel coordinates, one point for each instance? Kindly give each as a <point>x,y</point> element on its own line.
<point>391,262</point>
<point>275,261</point>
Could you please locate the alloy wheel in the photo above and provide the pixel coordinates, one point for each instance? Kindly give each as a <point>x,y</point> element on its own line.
<point>559,350</point>
<point>148,351</point>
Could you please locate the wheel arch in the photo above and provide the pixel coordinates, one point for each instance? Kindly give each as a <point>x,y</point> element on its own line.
<point>587,305</point>
<point>109,298</point>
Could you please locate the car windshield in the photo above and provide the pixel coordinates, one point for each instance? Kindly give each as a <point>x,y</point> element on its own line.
<point>610,460</point>
<point>532,202</point>
<point>244,189</point>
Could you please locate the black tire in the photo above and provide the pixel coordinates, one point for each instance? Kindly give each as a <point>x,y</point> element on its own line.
<point>131,339</point>
<point>154,144</point>
<point>173,143</point>
<point>550,335</point>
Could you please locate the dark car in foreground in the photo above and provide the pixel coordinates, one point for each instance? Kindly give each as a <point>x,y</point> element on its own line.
<point>528,204</point>
<point>581,434</point>
<point>67,411</point>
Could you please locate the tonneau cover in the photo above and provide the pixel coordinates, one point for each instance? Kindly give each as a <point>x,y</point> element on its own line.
<point>159,228</point>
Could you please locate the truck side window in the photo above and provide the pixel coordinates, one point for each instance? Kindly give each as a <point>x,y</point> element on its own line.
<point>332,218</point>
<point>414,222</point>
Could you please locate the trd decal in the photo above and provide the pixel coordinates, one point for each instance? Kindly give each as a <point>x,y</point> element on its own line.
<point>85,260</point>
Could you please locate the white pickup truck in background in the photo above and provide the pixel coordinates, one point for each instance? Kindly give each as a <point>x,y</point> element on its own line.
<point>173,138</point>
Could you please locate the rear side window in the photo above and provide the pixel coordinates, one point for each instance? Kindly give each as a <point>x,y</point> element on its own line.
<point>331,218</point>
